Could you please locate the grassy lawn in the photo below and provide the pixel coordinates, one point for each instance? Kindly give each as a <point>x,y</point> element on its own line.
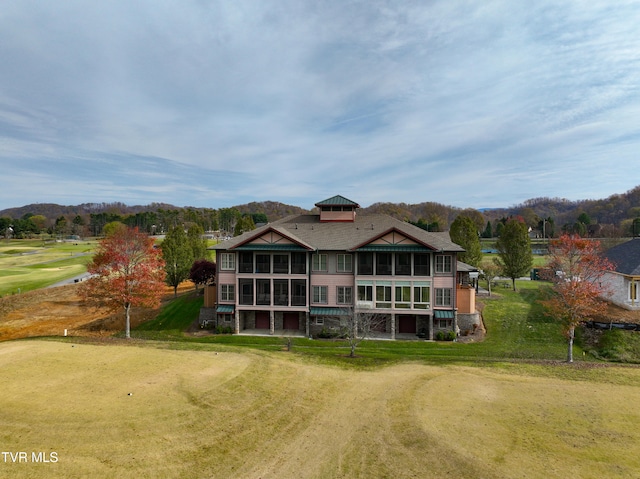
<point>145,410</point>
<point>517,329</point>
<point>26,265</point>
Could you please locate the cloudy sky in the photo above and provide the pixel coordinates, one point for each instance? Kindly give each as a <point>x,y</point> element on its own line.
<point>218,103</point>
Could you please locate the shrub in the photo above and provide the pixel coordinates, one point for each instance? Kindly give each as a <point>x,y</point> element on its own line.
<point>224,330</point>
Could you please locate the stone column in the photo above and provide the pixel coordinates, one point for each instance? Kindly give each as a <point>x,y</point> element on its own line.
<point>306,321</point>
<point>272,323</point>
<point>237,321</point>
<point>393,325</point>
<point>431,327</point>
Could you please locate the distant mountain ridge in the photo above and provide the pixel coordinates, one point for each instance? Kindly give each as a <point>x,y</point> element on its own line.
<point>612,210</point>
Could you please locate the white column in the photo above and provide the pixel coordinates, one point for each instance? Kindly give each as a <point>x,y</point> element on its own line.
<point>272,323</point>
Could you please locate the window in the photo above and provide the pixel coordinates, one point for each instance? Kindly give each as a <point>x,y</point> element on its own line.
<point>633,291</point>
<point>298,292</point>
<point>365,263</point>
<point>246,262</point>
<point>403,264</point>
<point>320,294</point>
<point>345,263</point>
<point>281,263</point>
<point>319,262</point>
<point>263,263</point>
<point>228,261</point>
<point>345,295</point>
<point>443,297</point>
<point>365,292</point>
<point>403,295</point>
<point>443,264</point>
<point>383,263</point>
<point>443,323</point>
<point>246,291</point>
<point>298,263</point>
<point>281,292</point>
<point>319,320</point>
<point>263,291</point>
<point>227,292</point>
<point>421,296</point>
<point>420,264</point>
<point>383,295</point>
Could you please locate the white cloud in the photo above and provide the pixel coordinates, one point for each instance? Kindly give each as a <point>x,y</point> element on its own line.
<point>213,104</point>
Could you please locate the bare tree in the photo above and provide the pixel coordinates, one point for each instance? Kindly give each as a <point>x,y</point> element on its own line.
<point>490,272</point>
<point>358,324</point>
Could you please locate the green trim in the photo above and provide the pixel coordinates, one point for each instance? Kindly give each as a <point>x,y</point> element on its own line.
<point>270,247</point>
<point>326,311</point>
<point>390,248</point>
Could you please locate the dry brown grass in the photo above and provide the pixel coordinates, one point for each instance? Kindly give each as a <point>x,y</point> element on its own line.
<point>269,415</point>
<point>48,312</point>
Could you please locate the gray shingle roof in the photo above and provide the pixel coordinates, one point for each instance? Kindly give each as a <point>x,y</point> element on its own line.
<point>307,230</point>
<point>626,257</point>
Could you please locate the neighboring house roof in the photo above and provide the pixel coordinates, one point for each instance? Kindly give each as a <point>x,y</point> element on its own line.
<point>464,267</point>
<point>337,201</point>
<point>626,257</point>
<point>307,231</point>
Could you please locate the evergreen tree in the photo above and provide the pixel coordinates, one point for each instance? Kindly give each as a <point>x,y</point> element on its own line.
<point>488,231</point>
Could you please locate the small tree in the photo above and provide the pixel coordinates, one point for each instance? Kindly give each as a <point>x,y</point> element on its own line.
<point>575,268</point>
<point>490,272</point>
<point>358,325</point>
<point>514,250</point>
<point>178,257</point>
<point>126,271</point>
<point>113,227</point>
<point>203,272</point>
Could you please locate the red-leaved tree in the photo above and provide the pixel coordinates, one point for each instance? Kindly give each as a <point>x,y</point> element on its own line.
<point>126,271</point>
<point>576,267</point>
<point>203,272</point>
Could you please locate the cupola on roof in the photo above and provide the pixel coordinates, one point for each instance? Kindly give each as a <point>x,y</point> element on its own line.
<point>337,208</point>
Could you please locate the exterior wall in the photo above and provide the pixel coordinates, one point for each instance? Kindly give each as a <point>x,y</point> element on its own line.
<point>245,315</point>
<point>210,296</point>
<point>618,284</point>
<point>337,215</point>
<point>466,297</point>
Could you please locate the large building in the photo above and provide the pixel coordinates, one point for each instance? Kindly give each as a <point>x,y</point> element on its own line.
<point>301,274</point>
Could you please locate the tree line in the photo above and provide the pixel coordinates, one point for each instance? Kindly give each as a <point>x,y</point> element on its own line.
<point>223,222</point>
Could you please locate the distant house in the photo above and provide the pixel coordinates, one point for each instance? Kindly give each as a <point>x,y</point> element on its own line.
<point>300,274</point>
<point>623,282</point>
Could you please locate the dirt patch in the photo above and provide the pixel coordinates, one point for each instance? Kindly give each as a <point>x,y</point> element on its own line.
<point>617,314</point>
<point>48,312</point>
